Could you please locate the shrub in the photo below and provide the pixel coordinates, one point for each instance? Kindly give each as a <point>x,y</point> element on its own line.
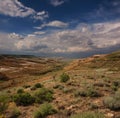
<point>92,93</point>
<point>43,94</point>
<point>115,85</point>
<point>20,91</point>
<point>3,107</point>
<point>64,77</point>
<point>80,93</point>
<point>26,86</point>
<point>37,85</point>
<point>87,93</point>
<point>114,88</point>
<point>88,115</point>
<point>45,110</point>
<point>4,99</point>
<point>113,102</point>
<point>23,99</point>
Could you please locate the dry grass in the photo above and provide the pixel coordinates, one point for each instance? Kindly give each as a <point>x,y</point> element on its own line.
<point>97,77</point>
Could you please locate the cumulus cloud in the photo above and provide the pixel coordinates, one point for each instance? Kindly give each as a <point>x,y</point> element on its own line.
<point>14,8</point>
<point>7,42</point>
<point>57,2</point>
<point>55,23</point>
<point>15,36</point>
<point>31,43</point>
<point>84,38</point>
<point>41,15</point>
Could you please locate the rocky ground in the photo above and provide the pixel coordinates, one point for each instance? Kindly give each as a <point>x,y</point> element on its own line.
<point>93,86</point>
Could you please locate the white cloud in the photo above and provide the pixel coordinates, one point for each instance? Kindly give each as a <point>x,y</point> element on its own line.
<point>57,2</point>
<point>7,42</point>
<point>15,36</point>
<point>55,23</point>
<point>14,8</point>
<point>84,37</point>
<point>39,33</point>
<point>41,15</point>
<point>26,44</point>
<point>31,43</point>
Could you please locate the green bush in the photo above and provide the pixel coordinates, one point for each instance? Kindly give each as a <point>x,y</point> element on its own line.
<point>23,99</point>
<point>38,85</point>
<point>113,102</point>
<point>43,94</point>
<point>91,92</point>
<point>64,77</point>
<point>4,100</point>
<point>45,110</point>
<point>3,107</point>
<point>87,93</point>
<point>115,85</point>
<point>114,88</point>
<point>88,115</point>
<point>20,91</point>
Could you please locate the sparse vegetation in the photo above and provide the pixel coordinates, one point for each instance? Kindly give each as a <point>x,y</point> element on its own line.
<point>85,84</point>
<point>23,99</point>
<point>88,115</point>
<point>26,86</point>
<point>80,93</point>
<point>4,100</point>
<point>115,85</point>
<point>88,92</point>
<point>20,91</point>
<point>113,102</point>
<point>64,77</point>
<point>43,94</point>
<point>45,110</point>
<point>38,85</point>
<point>91,92</point>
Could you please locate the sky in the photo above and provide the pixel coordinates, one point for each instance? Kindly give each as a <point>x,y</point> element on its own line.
<point>68,28</point>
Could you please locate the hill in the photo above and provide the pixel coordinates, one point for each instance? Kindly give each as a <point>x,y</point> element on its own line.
<point>88,86</point>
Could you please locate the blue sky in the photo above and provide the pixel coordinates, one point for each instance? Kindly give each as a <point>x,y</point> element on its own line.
<point>59,27</point>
